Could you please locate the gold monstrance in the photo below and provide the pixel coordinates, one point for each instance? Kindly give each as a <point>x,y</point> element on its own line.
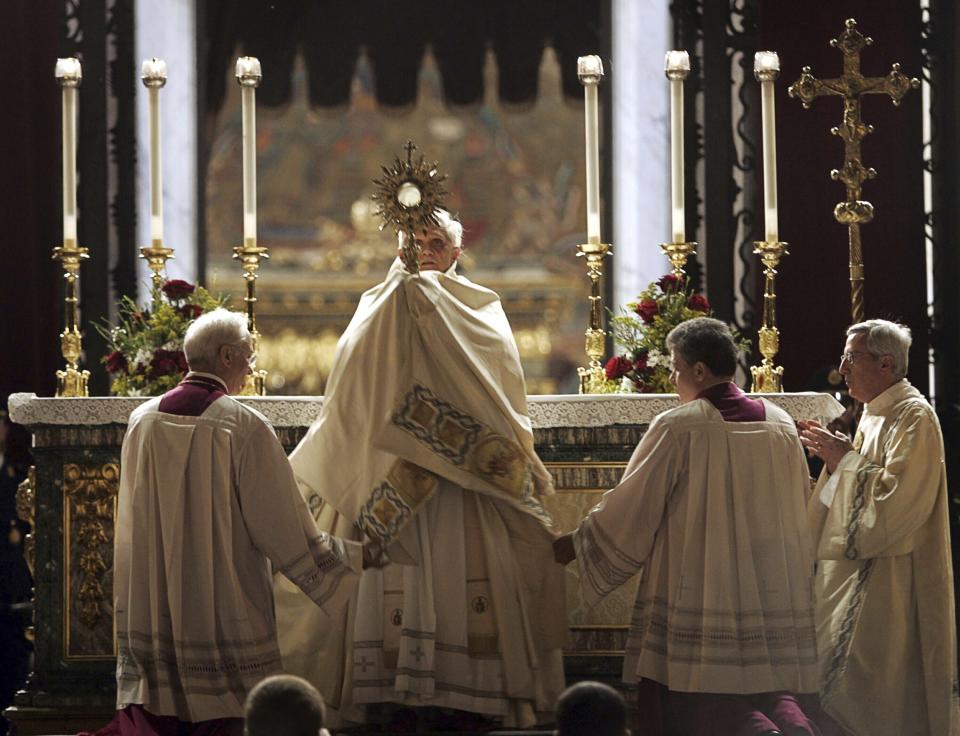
<point>408,196</point>
<point>854,211</point>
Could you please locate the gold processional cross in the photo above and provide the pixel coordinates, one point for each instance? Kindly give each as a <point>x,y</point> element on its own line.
<point>854,211</point>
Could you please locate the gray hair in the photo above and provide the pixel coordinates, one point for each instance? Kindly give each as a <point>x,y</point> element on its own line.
<point>209,332</point>
<point>886,338</point>
<point>705,340</point>
<point>284,705</point>
<point>451,228</point>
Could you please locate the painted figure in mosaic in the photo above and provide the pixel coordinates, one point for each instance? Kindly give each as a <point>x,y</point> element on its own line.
<point>885,606</point>
<point>711,509</point>
<point>207,503</point>
<point>424,445</point>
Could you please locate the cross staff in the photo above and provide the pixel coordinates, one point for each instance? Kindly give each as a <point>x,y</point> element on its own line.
<point>850,86</point>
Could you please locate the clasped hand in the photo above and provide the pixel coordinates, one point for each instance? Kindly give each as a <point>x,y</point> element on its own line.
<point>821,442</point>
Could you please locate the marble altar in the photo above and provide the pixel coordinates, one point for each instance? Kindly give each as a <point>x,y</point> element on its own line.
<point>70,500</point>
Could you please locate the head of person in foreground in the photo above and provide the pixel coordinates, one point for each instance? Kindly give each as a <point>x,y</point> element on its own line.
<point>284,705</point>
<point>591,709</point>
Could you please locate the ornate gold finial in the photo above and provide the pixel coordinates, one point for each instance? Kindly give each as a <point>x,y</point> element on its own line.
<point>408,196</point>
<point>851,85</point>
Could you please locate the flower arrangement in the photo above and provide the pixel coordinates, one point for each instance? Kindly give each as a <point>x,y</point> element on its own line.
<point>642,331</point>
<point>147,356</point>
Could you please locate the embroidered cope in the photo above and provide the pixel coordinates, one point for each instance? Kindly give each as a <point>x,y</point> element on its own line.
<point>424,443</point>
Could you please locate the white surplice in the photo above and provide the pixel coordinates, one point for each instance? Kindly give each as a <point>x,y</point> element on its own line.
<point>206,503</point>
<point>885,607</point>
<point>424,443</point>
<point>713,513</point>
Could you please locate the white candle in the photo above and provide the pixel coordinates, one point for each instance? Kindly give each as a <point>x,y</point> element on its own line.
<point>677,67</point>
<point>154,75</point>
<point>766,68</point>
<point>248,75</point>
<point>590,70</point>
<point>69,73</point>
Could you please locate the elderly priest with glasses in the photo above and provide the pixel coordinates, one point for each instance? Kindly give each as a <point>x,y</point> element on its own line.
<point>880,517</point>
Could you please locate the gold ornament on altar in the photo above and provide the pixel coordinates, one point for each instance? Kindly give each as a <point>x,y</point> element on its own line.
<point>408,196</point>
<point>851,85</point>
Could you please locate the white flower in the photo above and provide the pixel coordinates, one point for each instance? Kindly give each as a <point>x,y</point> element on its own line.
<point>626,386</point>
<point>143,357</point>
<point>656,358</point>
<point>134,392</point>
<point>172,345</point>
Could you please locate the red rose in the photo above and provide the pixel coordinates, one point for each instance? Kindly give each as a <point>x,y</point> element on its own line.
<point>190,311</point>
<point>698,303</point>
<point>116,362</point>
<point>181,359</point>
<point>670,284</point>
<point>164,362</point>
<point>177,289</point>
<point>647,309</point>
<point>617,367</point>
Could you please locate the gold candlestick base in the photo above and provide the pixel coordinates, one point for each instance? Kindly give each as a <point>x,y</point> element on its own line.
<point>678,254</point>
<point>250,254</point>
<point>71,382</point>
<point>593,377</point>
<point>768,377</point>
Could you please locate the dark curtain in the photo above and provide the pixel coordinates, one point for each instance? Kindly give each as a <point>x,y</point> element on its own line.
<point>30,313</point>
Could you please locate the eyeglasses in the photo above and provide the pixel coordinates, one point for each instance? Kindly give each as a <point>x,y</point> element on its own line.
<point>251,357</point>
<point>852,357</point>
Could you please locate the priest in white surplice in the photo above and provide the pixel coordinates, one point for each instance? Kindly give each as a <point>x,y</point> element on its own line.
<point>885,606</point>
<point>207,502</point>
<point>711,509</point>
<point>424,445</point>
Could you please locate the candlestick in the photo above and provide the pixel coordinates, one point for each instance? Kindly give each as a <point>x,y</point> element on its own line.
<point>69,74</point>
<point>248,75</point>
<point>153,72</point>
<point>677,68</point>
<point>590,71</point>
<point>766,68</point>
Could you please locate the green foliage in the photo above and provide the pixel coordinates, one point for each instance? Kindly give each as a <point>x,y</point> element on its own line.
<point>147,344</point>
<point>641,329</point>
